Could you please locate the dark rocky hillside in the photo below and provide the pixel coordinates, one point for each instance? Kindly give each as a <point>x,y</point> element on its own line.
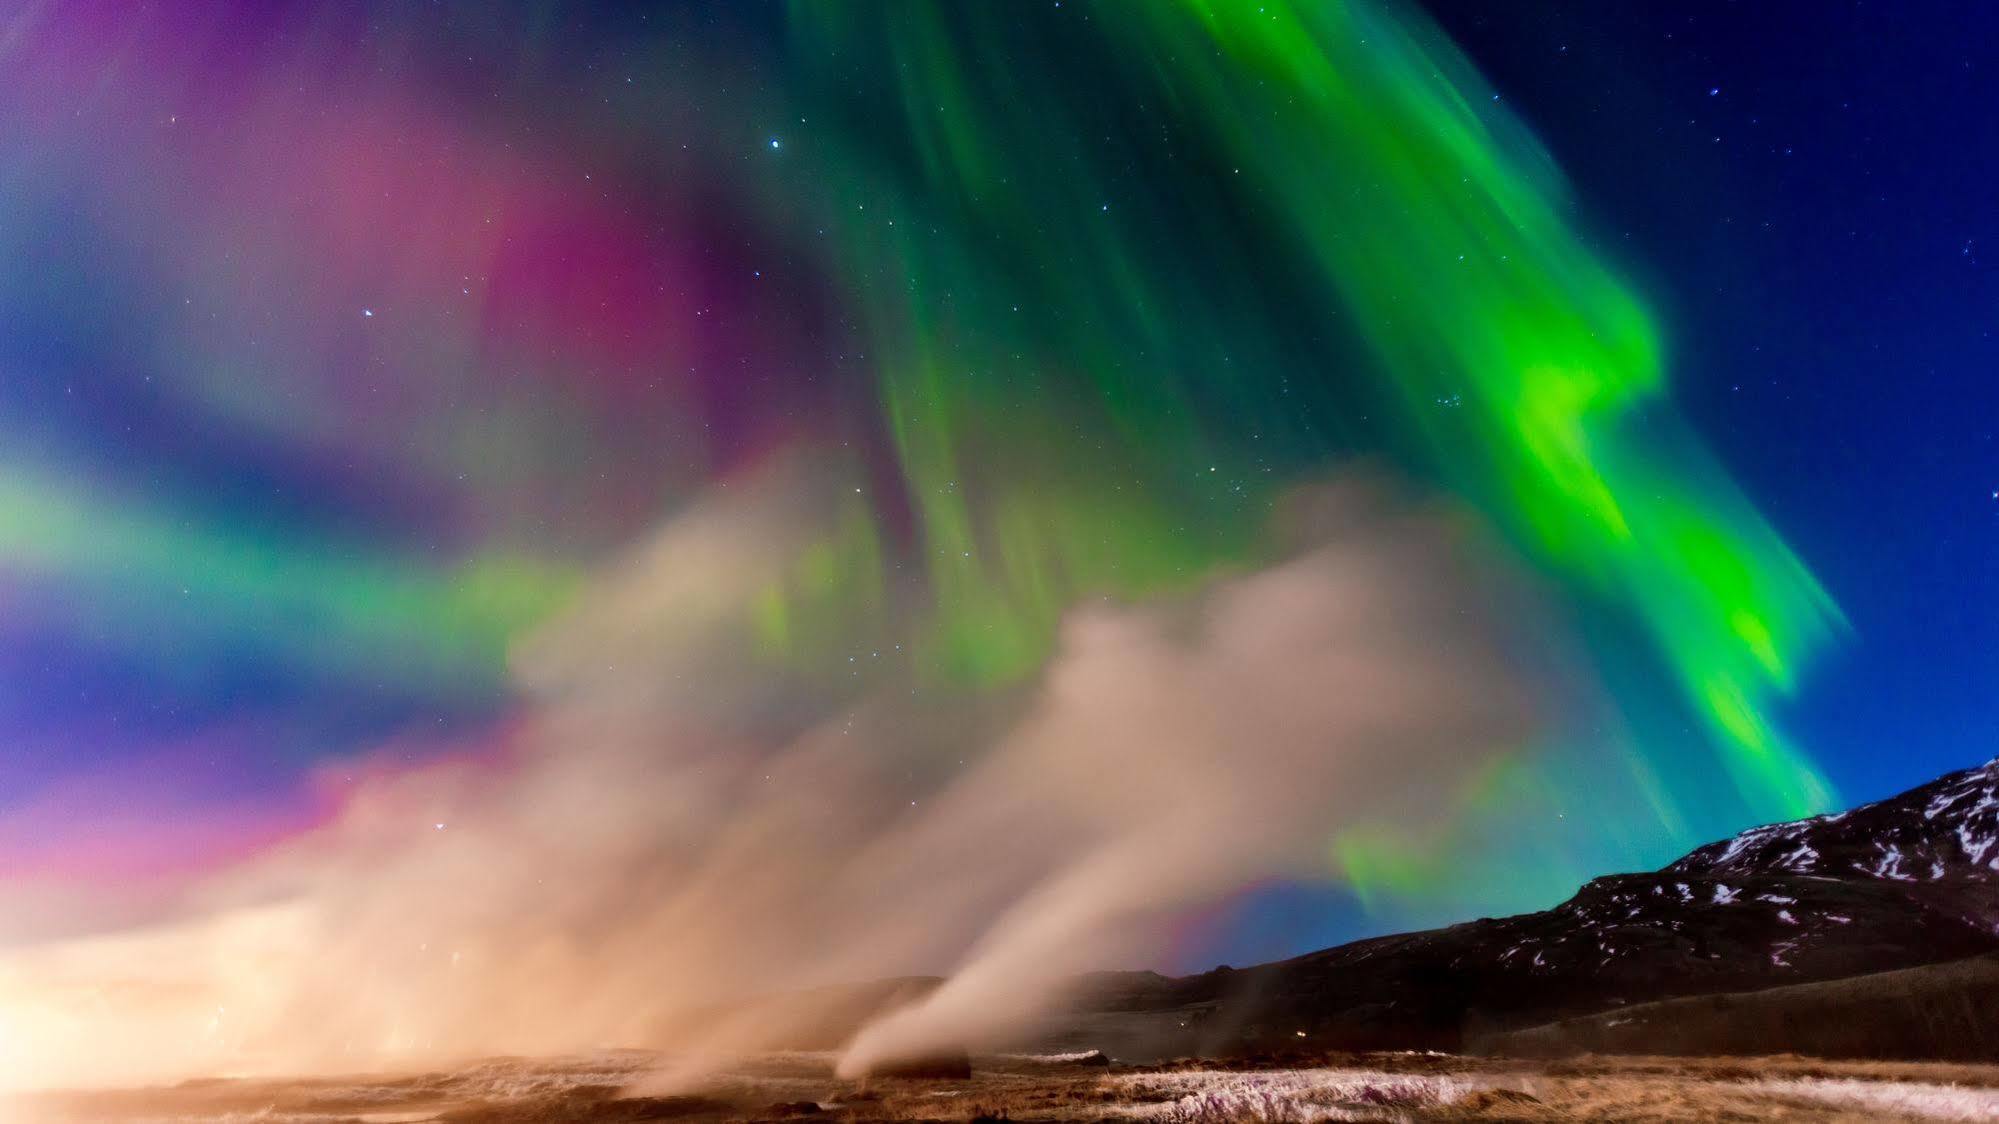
<point>1904,882</point>
<point>1938,1012</point>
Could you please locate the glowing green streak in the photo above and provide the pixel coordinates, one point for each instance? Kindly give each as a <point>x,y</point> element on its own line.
<point>360,616</point>
<point>831,595</point>
<point>1068,348</point>
<point>1446,238</point>
<point>1020,510</point>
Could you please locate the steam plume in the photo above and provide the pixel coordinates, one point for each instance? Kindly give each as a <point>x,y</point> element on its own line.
<point>678,826</point>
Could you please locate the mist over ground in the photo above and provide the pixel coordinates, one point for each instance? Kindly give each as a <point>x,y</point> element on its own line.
<point>664,837</point>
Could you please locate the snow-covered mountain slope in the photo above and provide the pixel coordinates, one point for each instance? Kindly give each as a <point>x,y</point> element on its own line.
<point>1902,882</point>
<point>1946,829</point>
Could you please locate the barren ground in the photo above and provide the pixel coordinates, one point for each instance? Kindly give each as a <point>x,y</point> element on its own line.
<point>614,1086</point>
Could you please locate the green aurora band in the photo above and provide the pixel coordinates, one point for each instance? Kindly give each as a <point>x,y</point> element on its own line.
<point>1128,270</point>
<point>1119,276</point>
<point>355,614</point>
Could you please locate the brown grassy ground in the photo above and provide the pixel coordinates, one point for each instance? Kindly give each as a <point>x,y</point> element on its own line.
<point>1415,1087</point>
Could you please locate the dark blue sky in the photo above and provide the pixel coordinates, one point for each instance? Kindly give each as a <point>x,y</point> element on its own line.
<point>1810,193</point>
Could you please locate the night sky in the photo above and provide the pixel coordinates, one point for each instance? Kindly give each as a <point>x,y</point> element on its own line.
<point>1807,190</point>
<point>342,349</point>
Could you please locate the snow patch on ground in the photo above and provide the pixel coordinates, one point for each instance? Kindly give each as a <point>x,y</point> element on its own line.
<point>1289,1095</point>
<point>1052,1059</point>
<point>1975,846</point>
<point>1781,951</point>
<point>1906,1098</point>
<point>1800,860</point>
<point>1890,866</point>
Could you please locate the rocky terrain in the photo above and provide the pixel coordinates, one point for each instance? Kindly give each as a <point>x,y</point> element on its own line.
<point>1900,883</point>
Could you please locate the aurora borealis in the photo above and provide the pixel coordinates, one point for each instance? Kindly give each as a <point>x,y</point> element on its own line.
<point>1514,359</point>
<point>347,352</point>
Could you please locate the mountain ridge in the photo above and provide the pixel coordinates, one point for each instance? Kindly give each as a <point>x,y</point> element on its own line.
<point>1902,882</point>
